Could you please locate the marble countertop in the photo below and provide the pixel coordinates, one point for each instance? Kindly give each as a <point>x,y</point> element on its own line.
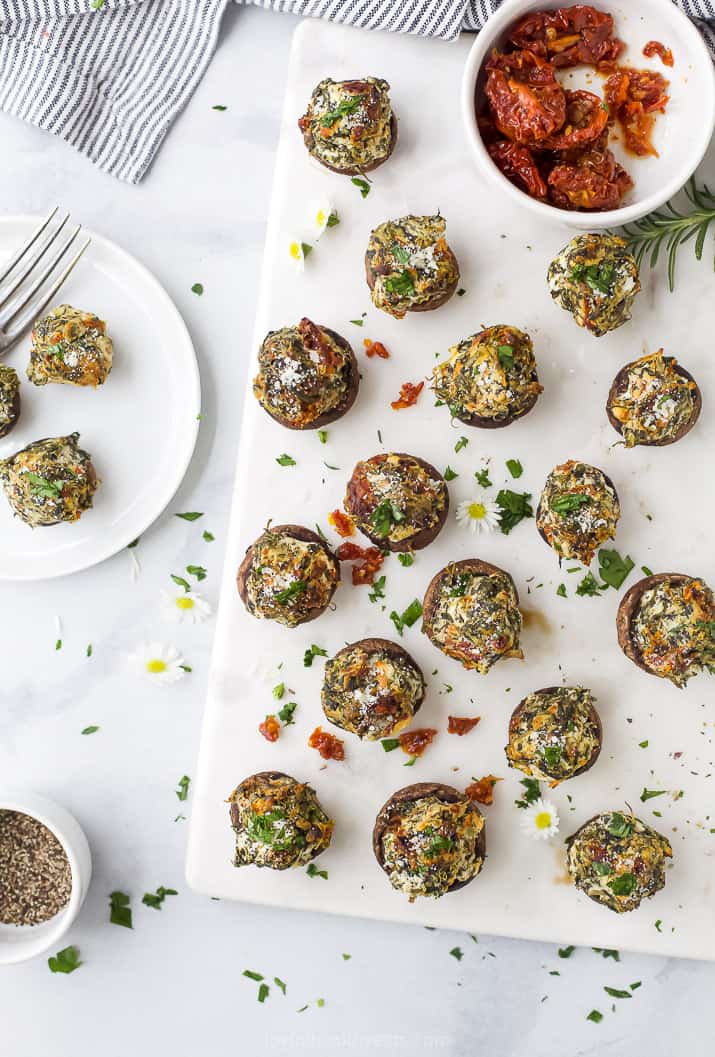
<point>174,984</point>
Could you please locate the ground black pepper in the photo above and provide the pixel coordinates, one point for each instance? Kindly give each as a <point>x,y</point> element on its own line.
<point>35,874</point>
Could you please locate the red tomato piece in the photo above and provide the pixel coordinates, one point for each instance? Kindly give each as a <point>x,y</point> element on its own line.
<point>519,166</point>
<point>527,102</point>
<point>569,36</point>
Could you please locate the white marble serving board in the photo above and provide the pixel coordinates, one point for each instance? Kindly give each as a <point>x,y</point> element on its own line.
<point>667,504</point>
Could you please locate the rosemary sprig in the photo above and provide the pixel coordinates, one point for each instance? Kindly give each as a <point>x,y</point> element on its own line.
<point>668,228</point>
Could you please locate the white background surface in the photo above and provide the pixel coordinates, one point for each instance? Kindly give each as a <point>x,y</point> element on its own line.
<point>174,986</point>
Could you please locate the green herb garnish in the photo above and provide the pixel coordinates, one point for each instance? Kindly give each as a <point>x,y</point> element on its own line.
<point>532,792</point>
<point>589,586</point>
<point>482,477</point>
<point>182,793</point>
<point>190,515</point>
<point>285,714</point>
<point>120,912</point>
<point>457,953</point>
<point>649,794</point>
<point>384,516</point>
<point>311,653</point>
<point>461,443</point>
<point>155,900</point>
<point>197,288</point>
<point>514,506</point>
<point>345,106</point>
<point>514,467</point>
<point>378,589</point>
<point>449,474</point>
<point>401,284</point>
<point>619,825</point>
<point>569,503</point>
<point>552,755</point>
<point>198,571</point>
<point>65,961</point>
<point>180,581</point>
<point>390,744</point>
<point>612,568</point>
<point>595,1016</point>
<point>506,356</point>
<point>90,730</point>
<point>406,559</point>
<point>323,436</point>
<point>409,617</point>
<point>42,487</point>
<point>285,460</point>
<point>313,871</point>
<point>364,185</point>
<point>561,591</point>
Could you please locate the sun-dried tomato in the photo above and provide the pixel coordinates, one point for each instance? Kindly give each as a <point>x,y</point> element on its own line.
<point>270,728</point>
<point>482,790</point>
<point>414,742</point>
<point>368,561</point>
<point>586,118</point>
<point>408,395</point>
<point>329,747</point>
<point>634,96</point>
<point>518,165</point>
<point>654,47</point>
<point>569,36</point>
<point>461,724</point>
<point>375,348</point>
<point>528,103</point>
<point>314,338</point>
<point>592,180</point>
<point>342,523</point>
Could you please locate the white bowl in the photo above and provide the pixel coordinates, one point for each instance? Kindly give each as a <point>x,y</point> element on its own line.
<point>20,942</point>
<point>681,135</point>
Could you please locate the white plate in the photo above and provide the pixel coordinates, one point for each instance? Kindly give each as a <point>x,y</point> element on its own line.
<point>504,254</point>
<point>140,427</point>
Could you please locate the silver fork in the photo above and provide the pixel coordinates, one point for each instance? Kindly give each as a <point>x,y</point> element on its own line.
<point>24,289</point>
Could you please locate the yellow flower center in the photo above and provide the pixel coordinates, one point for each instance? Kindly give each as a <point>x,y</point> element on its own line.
<point>295,251</point>
<point>155,666</point>
<point>182,602</point>
<point>542,820</point>
<point>320,218</point>
<point>477,511</point>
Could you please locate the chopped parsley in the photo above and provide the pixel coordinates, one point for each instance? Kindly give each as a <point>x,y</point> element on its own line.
<point>623,885</point>
<point>362,184</point>
<point>285,714</point>
<point>569,503</point>
<point>378,589</point>
<point>552,755</point>
<point>506,356</point>
<point>566,952</point>
<point>449,474</point>
<point>155,899</point>
<point>410,616</point>
<point>180,581</point>
<point>482,477</point>
<point>399,253</point>
<point>619,825</point>
<point>42,487</point>
<point>595,1016</point>
<point>612,568</point>
<point>291,592</point>
<point>390,744</point>
<point>648,794</point>
<point>589,586</point>
<point>406,559</point>
<point>401,284</point>
<point>514,507</point>
<point>461,443</point>
<point>561,591</point>
<point>457,953</point>
<point>182,793</point>
<point>285,460</point>
<point>323,436</point>
<point>196,570</point>
<point>198,289</point>
<point>120,913</point>
<point>219,107</point>
<point>643,744</point>
<point>311,653</point>
<point>65,961</point>
<point>532,792</point>
<point>313,871</point>
<point>384,516</point>
<point>344,107</point>
<point>646,570</point>
<point>189,515</point>
<point>614,992</point>
<point>357,322</point>
<point>278,691</point>
<point>90,730</point>
<point>333,219</point>
<point>514,467</point>
<point>598,276</point>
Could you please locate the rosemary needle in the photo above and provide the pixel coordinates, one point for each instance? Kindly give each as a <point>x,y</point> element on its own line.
<point>668,228</point>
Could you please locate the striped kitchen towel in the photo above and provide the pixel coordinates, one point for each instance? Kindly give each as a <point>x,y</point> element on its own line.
<point>110,76</point>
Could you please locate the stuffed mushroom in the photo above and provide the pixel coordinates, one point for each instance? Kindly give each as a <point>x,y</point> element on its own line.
<point>471,613</point>
<point>349,126</point>
<point>409,266</point>
<point>9,399</point>
<point>49,481</point>
<point>555,733</point>
<point>278,822</point>
<point>653,401</point>
<point>617,860</point>
<point>71,347</point>
<point>578,510</point>
<point>666,625</point>
<point>398,501</point>
<point>490,378</point>
<point>289,575</point>
<point>307,376</point>
<point>429,839</point>
<point>372,688</point>
<point>596,279</point>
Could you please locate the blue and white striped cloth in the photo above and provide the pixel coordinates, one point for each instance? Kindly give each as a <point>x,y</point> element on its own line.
<point>110,76</point>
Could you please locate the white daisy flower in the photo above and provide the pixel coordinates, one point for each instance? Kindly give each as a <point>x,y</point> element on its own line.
<point>540,820</point>
<point>185,607</point>
<point>322,215</point>
<point>296,253</point>
<point>159,662</point>
<point>478,515</point>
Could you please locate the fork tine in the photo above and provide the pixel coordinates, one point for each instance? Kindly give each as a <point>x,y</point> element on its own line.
<point>32,311</point>
<point>28,245</point>
<point>9,311</point>
<point>32,265</point>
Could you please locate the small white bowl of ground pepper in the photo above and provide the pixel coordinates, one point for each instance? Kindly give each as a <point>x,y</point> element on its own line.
<point>45,870</point>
